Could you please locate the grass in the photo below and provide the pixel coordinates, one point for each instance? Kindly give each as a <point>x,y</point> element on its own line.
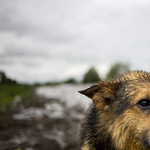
<point>9,92</point>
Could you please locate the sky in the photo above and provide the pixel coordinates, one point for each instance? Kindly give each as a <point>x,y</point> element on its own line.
<point>53,40</point>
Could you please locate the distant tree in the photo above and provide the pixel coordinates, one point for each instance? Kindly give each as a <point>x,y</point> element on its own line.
<point>5,80</point>
<point>70,80</point>
<point>91,76</point>
<point>117,69</point>
<point>10,81</point>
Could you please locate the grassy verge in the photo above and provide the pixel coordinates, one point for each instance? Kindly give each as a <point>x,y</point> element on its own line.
<point>9,92</point>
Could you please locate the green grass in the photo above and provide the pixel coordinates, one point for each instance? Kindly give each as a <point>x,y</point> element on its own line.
<point>9,92</point>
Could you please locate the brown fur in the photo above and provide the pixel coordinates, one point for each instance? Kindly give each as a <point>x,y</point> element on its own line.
<point>115,120</point>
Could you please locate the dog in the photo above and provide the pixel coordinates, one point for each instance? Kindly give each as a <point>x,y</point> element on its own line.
<point>119,117</point>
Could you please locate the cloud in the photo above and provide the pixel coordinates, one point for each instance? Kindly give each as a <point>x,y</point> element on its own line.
<point>52,40</point>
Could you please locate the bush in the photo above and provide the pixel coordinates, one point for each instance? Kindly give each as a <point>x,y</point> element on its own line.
<point>91,76</point>
<point>70,80</point>
<point>5,80</point>
<point>117,69</point>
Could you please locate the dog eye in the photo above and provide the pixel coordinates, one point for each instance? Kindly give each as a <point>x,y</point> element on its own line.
<point>144,104</point>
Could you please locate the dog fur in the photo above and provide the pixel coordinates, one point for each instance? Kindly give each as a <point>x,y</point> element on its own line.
<point>119,118</point>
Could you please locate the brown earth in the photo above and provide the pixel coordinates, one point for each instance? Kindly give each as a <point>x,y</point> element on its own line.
<point>42,132</point>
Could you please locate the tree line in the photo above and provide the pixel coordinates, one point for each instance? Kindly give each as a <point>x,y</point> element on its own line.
<point>91,76</point>
<point>5,80</point>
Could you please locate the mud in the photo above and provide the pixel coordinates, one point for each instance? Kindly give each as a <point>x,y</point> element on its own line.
<point>39,123</point>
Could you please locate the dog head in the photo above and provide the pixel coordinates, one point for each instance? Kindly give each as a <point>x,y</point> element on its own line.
<point>125,105</point>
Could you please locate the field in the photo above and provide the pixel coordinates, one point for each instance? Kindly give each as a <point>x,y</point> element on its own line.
<point>9,92</point>
<point>47,118</point>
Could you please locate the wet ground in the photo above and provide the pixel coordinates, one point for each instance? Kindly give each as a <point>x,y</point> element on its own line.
<point>43,122</point>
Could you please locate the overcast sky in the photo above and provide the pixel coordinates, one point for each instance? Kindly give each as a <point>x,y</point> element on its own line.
<point>47,40</point>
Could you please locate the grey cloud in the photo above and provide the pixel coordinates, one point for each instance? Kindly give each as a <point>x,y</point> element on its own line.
<point>74,33</point>
<point>25,56</point>
<point>11,20</point>
<point>49,26</point>
<point>14,50</point>
<point>3,61</point>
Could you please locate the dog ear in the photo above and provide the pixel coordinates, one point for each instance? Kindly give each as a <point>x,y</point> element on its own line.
<point>102,94</point>
<point>90,91</point>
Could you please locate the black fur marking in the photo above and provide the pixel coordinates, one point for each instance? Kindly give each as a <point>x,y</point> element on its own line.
<point>146,141</point>
<point>88,126</point>
<point>125,98</point>
<point>100,140</point>
<point>123,106</point>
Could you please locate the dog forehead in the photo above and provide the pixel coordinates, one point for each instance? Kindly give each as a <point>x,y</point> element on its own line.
<point>134,75</point>
<point>129,97</point>
<point>142,92</point>
<point>135,81</point>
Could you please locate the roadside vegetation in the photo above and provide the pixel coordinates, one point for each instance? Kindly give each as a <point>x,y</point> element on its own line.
<point>10,92</point>
<point>10,89</point>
